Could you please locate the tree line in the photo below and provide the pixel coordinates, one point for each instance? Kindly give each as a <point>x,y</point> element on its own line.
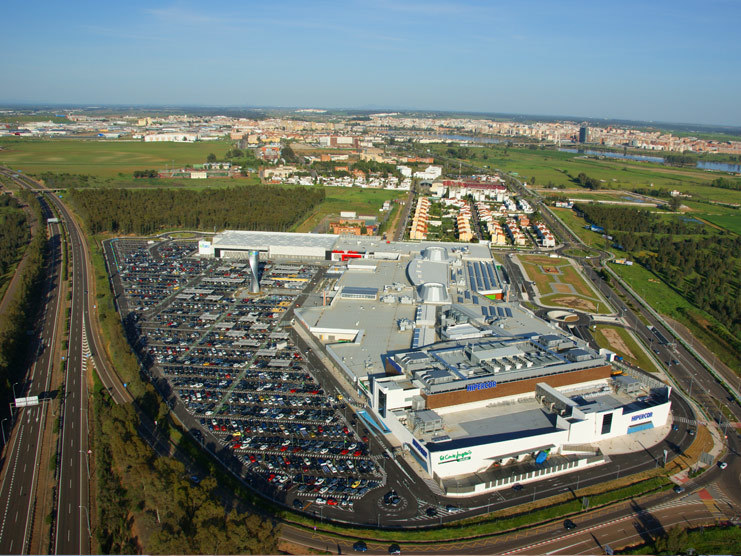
<point>146,174</point>
<point>587,181</point>
<point>154,496</point>
<point>626,219</point>
<point>126,211</point>
<point>726,183</point>
<point>20,315</point>
<point>14,231</point>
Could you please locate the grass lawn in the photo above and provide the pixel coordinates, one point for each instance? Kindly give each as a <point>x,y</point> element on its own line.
<point>622,342</point>
<point>554,287</point>
<point>362,201</point>
<point>103,158</point>
<point>576,224</point>
<point>572,301</point>
<point>570,275</point>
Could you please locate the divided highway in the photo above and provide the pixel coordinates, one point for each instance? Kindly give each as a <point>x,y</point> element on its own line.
<point>18,499</point>
<point>72,528</point>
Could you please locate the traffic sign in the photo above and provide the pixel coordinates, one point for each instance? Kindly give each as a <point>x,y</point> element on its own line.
<point>30,401</point>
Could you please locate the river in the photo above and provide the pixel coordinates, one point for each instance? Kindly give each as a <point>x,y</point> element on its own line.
<point>716,166</point>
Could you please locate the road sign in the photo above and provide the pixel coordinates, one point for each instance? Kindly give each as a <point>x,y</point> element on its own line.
<point>27,402</point>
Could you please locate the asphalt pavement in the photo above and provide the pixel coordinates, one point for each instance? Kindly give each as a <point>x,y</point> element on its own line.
<point>24,432</point>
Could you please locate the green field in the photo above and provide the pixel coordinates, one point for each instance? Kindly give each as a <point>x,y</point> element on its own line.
<point>560,285</point>
<point>103,158</point>
<point>362,201</point>
<point>554,168</point>
<point>730,222</point>
<point>668,302</point>
<point>718,215</point>
<point>576,224</point>
<point>614,195</point>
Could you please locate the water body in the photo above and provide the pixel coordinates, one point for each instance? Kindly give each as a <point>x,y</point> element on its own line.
<point>720,167</point>
<point>608,154</point>
<point>717,166</point>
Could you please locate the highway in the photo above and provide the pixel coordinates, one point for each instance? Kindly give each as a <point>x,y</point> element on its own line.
<point>23,454</point>
<point>72,527</point>
<point>72,536</point>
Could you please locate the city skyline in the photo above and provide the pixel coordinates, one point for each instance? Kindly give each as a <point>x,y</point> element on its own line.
<point>669,62</point>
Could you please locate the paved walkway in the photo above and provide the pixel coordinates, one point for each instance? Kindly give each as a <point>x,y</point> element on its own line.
<point>635,442</point>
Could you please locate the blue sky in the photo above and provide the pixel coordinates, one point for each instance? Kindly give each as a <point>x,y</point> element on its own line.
<point>656,60</point>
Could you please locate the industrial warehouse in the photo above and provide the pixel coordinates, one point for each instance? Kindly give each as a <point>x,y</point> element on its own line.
<point>480,391</point>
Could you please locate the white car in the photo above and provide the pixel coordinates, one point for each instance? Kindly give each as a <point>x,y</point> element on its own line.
<point>722,464</point>
<point>320,501</point>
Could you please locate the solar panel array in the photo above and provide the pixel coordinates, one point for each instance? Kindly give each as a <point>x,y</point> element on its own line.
<point>483,276</point>
<point>496,312</point>
<point>415,338</point>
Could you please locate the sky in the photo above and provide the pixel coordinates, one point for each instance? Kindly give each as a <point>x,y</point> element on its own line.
<point>652,60</point>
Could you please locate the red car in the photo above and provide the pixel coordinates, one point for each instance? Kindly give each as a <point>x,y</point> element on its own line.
<point>331,502</point>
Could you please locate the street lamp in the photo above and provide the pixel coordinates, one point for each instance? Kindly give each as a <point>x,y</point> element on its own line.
<point>87,463</point>
<point>2,426</point>
<point>14,394</point>
<point>87,515</point>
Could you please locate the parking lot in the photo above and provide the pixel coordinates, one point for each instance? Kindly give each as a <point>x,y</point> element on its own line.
<point>230,363</point>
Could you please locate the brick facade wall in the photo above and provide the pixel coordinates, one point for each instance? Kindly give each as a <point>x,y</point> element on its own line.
<point>446,399</point>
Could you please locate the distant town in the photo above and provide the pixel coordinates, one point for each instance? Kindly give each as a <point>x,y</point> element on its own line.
<point>354,133</point>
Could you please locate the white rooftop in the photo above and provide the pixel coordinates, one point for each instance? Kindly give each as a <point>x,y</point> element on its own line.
<point>237,239</point>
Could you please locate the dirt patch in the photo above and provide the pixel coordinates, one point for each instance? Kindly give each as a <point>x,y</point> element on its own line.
<point>616,342</point>
<point>550,269</point>
<point>541,260</point>
<point>561,288</point>
<point>573,302</point>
